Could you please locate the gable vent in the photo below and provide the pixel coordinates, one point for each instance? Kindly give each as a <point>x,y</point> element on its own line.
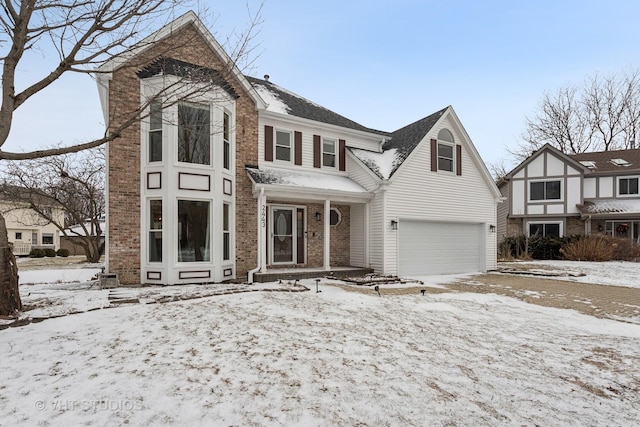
<point>620,162</point>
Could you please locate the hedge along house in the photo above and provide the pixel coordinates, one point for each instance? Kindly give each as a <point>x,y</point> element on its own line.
<point>245,178</point>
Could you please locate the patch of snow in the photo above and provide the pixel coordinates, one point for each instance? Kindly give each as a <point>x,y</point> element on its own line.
<point>613,206</point>
<point>274,103</point>
<point>310,180</point>
<point>380,163</point>
<point>611,273</point>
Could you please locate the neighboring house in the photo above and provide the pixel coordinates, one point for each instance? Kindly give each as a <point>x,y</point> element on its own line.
<point>76,232</point>
<point>281,182</point>
<point>554,194</point>
<point>27,230</point>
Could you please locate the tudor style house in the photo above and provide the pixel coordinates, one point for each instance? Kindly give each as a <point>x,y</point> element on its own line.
<point>239,178</point>
<point>555,194</point>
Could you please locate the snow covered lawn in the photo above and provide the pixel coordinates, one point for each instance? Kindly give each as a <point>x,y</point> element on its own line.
<point>329,358</point>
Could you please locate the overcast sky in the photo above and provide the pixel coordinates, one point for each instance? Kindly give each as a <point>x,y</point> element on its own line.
<point>386,64</point>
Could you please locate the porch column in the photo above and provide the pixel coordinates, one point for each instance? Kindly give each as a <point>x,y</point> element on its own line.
<point>262,231</point>
<point>327,235</point>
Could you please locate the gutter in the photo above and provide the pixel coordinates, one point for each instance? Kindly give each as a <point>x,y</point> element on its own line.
<point>260,243</point>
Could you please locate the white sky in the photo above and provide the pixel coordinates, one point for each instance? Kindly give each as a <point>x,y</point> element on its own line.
<point>386,64</point>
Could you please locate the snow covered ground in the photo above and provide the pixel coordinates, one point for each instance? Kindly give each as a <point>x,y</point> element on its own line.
<point>613,273</point>
<point>328,358</point>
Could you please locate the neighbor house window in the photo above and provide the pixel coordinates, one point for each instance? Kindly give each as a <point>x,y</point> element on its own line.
<point>18,236</point>
<point>329,153</point>
<point>544,190</point>
<point>155,132</point>
<point>628,186</point>
<point>34,238</point>
<point>545,229</point>
<point>193,231</point>
<point>445,150</point>
<point>630,229</point>
<point>226,233</point>
<point>47,238</point>
<point>194,133</point>
<point>226,147</point>
<point>155,231</point>
<point>283,146</point>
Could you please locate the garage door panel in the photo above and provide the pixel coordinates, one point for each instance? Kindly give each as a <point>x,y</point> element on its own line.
<point>427,248</point>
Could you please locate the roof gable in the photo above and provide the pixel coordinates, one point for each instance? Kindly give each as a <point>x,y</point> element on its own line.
<point>554,151</point>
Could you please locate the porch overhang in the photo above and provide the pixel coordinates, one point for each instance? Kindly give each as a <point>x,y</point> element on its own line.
<point>610,209</point>
<point>305,186</point>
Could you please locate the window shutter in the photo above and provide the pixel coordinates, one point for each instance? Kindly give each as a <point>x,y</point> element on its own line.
<point>434,155</point>
<point>317,152</point>
<point>458,159</point>
<point>268,143</point>
<point>342,150</point>
<point>297,154</point>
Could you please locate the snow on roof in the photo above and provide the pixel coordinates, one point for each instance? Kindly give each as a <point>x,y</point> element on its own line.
<point>304,180</point>
<point>382,164</point>
<point>76,230</point>
<point>611,206</point>
<point>274,102</point>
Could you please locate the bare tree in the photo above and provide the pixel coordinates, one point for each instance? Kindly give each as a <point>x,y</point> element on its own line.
<point>602,114</point>
<point>83,34</point>
<point>73,182</point>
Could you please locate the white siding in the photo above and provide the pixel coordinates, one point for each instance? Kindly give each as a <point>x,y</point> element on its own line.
<point>517,197</point>
<point>358,235</point>
<point>535,209</point>
<point>606,186</point>
<point>573,194</point>
<point>555,166</point>
<point>572,171</point>
<point>535,169</point>
<point>555,209</point>
<point>520,174</point>
<point>416,193</point>
<point>357,172</point>
<point>589,188</point>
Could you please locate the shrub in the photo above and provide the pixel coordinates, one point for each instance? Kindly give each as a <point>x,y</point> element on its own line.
<point>513,247</point>
<point>49,252</point>
<point>536,247</point>
<point>36,253</point>
<point>62,252</point>
<point>601,248</point>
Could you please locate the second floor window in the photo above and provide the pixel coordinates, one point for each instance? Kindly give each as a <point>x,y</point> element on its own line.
<point>545,190</point>
<point>329,153</point>
<point>226,149</point>
<point>627,186</point>
<point>283,146</point>
<point>445,157</point>
<point>194,133</point>
<point>155,131</point>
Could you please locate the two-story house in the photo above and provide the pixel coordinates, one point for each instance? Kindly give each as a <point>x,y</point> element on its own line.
<point>555,194</point>
<point>246,178</point>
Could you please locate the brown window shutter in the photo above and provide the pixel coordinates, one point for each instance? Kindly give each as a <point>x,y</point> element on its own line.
<point>342,150</point>
<point>268,143</point>
<point>458,159</point>
<point>317,152</point>
<point>434,155</point>
<point>297,136</point>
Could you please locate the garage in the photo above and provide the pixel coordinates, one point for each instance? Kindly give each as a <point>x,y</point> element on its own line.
<point>428,248</point>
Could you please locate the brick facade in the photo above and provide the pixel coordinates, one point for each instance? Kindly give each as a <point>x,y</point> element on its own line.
<point>185,44</point>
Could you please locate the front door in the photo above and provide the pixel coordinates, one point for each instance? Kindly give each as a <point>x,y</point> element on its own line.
<point>287,235</point>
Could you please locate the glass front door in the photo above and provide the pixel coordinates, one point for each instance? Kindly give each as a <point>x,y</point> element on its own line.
<point>287,242</point>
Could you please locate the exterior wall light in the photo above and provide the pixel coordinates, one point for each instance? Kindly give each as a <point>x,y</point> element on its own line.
<point>492,228</point>
<point>318,216</point>
<point>394,224</point>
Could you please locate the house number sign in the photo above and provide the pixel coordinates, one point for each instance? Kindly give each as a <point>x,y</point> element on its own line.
<point>263,216</point>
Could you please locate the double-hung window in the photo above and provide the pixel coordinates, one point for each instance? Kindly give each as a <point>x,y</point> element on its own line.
<point>627,186</point>
<point>155,131</point>
<point>545,190</point>
<point>194,133</point>
<point>283,146</point>
<point>445,157</point>
<point>329,153</point>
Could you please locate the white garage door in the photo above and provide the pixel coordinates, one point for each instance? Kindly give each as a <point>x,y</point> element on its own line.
<point>427,248</point>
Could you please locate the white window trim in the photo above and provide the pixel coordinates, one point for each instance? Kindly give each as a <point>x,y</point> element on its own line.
<point>531,181</point>
<point>335,153</point>
<point>453,156</point>
<point>529,223</point>
<point>627,177</point>
<point>275,147</point>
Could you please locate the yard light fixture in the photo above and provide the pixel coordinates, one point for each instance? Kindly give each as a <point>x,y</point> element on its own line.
<point>394,224</point>
<point>317,283</point>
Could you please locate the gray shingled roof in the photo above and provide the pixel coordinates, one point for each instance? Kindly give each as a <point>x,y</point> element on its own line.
<point>602,160</point>
<point>301,107</point>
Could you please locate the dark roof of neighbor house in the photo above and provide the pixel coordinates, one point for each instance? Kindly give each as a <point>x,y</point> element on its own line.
<point>607,161</point>
<point>402,141</point>
<point>303,108</point>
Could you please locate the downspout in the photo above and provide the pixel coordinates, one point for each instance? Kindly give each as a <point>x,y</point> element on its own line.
<point>260,237</point>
